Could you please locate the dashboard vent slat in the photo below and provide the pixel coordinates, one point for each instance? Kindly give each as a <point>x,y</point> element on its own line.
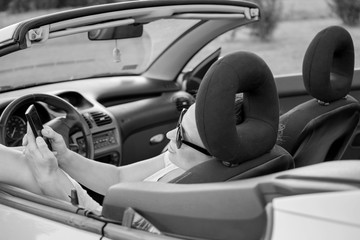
<point>87,120</point>
<point>100,118</point>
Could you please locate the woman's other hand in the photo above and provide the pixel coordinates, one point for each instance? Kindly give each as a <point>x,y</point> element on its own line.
<point>57,143</point>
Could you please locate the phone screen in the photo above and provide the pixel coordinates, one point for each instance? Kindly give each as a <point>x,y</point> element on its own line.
<point>35,123</point>
<point>33,118</point>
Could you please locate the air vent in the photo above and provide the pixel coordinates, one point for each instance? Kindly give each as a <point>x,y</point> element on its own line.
<point>87,119</point>
<point>100,118</point>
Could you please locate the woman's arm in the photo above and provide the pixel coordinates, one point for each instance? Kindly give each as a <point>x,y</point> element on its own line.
<point>15,170</point>
<point>96,175</point>
<point>100,176</point>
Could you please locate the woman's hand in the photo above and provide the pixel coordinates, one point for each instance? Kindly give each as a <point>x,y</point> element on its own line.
<point>44,164</point>
<point>57,143</point>
<point>41,160</point>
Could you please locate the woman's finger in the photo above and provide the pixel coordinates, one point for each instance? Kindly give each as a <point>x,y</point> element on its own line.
<point>43,148</point>
<point>57,141</point>
<point>25,140</point>
<point>48,132</point>
<point>30,134</point>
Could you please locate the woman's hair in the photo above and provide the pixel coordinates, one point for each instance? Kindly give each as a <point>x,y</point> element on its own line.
<point>239,105</point>
<point>239,115</point>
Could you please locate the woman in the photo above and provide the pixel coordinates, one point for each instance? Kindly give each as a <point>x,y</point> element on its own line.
<point>41,171</point>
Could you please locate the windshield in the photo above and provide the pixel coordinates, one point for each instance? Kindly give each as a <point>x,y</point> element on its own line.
<point>76,57</point>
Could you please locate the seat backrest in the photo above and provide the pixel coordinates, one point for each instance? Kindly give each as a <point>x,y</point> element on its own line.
<point>320,129</point>
<point>240,150</point>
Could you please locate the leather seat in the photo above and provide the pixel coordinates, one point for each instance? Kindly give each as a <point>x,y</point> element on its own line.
<point>319,130</point>
<point>247,149</point>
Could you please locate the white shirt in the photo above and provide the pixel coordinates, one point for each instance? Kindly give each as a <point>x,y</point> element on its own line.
<point>169,167</point>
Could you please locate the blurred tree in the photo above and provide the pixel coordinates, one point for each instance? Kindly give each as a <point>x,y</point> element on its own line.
<point>18,6</point>
<point>96,2</point>
<point>347,10</point>
<point>45,4</point>
<point>4,4</point>
<point>271,12</point>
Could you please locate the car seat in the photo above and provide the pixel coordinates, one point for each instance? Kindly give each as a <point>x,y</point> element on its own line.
<point>247,149</point>
<point>319,130</point>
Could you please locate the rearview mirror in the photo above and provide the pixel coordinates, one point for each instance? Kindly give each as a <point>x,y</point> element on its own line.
<point>120,32</point>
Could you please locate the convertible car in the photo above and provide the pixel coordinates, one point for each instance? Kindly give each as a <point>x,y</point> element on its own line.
<point>113,80</point>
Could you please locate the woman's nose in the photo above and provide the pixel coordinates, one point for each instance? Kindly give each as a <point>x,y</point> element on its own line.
<point>171,135</point>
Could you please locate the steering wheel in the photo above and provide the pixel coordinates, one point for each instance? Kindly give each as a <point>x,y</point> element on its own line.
<point>62,125</point>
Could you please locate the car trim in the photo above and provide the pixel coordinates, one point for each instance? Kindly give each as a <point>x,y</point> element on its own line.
<point>77,25</point>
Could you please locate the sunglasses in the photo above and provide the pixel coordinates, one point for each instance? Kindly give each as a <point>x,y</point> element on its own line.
<point>180,136</point>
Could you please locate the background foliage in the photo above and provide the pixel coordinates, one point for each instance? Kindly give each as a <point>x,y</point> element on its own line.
<point>271,12</point>
<point>347,10</point>
<point>19,6</point>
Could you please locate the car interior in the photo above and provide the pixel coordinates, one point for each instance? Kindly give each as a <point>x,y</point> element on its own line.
<point>273,153</point>
<point>253,196</point>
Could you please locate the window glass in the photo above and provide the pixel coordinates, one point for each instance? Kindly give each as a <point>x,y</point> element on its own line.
<point>82,58</point>
<point>284,52</point>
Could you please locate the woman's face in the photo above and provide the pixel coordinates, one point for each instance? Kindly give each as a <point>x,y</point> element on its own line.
<point>186,157</point>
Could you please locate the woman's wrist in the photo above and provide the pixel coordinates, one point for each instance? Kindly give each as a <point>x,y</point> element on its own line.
<point>53,185</point>
<point>46,177</point>
<point>65,158</point>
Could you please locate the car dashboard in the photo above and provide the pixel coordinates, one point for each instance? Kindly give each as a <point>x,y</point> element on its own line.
<point>128,116</point>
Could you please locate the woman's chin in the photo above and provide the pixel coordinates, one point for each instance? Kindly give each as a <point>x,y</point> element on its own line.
<point>170,149</point>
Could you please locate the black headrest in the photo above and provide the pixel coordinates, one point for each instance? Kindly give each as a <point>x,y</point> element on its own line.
<point>328,65</point>
<point>238,72</point>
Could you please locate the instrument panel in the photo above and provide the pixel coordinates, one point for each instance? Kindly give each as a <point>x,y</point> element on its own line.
<point>15,130</point>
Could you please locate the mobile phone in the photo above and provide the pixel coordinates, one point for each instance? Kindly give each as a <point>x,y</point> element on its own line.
<point>35,123</point>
